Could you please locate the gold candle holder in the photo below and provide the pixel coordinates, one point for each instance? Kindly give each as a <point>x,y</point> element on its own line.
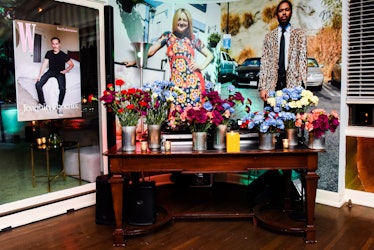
<point>167,145</point>
<point>285,143</point>
<point>144,146</point>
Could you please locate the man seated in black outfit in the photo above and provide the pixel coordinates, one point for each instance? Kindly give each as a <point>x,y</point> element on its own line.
<point>56,60</point>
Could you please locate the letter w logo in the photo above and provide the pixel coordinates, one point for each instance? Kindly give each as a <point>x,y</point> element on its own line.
<point>26,36</point>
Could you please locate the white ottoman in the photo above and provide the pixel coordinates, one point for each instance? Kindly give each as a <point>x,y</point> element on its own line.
<point>89,160</point>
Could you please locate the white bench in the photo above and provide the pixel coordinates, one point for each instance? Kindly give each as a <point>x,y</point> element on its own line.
<point>89,161</point>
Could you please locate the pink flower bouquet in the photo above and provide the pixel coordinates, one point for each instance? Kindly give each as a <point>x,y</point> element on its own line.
<point>318,121</point>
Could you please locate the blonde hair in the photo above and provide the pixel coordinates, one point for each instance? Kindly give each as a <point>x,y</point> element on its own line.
<point>177,14</point>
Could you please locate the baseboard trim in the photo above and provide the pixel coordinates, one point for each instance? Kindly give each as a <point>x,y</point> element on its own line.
<point>42,207</point>
<point>359,197</point>
<point>329,198</point>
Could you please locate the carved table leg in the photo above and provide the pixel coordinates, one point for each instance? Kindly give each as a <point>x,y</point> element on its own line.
<point>311,180</point>
<point>116,183</point>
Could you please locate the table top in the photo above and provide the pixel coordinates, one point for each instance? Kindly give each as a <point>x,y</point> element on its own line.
<point>251,148</point>
<point>184,159</point>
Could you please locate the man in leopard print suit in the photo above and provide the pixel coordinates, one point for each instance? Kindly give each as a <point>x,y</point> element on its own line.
<point>295,54</point>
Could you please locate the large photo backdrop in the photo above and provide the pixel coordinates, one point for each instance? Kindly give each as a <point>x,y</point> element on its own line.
<point>241,26</point>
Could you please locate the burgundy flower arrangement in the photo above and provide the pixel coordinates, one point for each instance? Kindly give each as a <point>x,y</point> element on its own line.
<point>318,121</point>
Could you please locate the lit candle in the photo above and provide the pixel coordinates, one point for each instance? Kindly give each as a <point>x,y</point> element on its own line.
<point>285,143</point>
<point>232,142</point>
<point>167,145</point>
<point>44,140</point>
<point>144,146</point>
<point>39,141</point>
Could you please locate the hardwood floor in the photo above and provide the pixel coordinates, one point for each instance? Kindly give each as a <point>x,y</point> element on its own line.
<point>337,228</point>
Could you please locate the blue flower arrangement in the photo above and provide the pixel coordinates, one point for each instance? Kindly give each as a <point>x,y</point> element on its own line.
<point>161,95</point>
<point>265,121</point>
<point>294,100</point>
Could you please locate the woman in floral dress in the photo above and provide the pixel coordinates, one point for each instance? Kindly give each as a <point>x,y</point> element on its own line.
<point>181,45</point>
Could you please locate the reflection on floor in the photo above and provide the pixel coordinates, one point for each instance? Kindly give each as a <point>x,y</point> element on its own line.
<point>16,177</point>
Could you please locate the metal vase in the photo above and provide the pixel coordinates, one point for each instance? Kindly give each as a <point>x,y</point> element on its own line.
<point>266,141</point>
<point>154,137</point>
<point>199,141</point>
<point>128,138</point>
<point>219,136</point>
<point>291,135</point>
<point>316,143</point>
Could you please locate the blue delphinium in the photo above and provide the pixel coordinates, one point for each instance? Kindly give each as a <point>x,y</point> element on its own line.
<point>265,121</point>
<point>162,94</point>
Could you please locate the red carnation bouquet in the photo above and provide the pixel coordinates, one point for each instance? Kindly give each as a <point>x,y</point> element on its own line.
<point>128,104</point>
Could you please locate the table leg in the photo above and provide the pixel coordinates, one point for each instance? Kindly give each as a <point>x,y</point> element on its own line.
<point>48,169</point>
<point>79,164</point>
<point>311,180</point>
<point>116,183</point>
<point>32,167</point>
<point>63,162</point>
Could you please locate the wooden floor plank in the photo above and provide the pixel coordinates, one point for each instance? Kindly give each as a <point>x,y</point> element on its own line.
<point>337,228</point>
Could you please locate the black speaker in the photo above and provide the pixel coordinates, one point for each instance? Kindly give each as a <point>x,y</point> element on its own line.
<point>109,69</point>
<point>139,204</point>
<point>104,201</point>
<point>109,44</point>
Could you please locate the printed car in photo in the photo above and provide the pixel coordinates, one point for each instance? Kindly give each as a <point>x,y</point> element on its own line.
<point>315,75</point>
<point>227,68</point>
<point>248,72</point>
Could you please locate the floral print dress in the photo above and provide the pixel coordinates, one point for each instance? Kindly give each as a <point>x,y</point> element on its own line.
<point>180,52</point>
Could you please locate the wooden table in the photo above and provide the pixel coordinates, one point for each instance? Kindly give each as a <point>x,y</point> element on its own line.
<point>183,159</point>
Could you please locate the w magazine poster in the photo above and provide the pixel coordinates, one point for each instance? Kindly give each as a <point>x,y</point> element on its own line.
<point>47,71</point>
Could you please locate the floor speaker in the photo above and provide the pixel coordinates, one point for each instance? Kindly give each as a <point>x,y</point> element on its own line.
<point>139,204</point>
<point>104,201</point>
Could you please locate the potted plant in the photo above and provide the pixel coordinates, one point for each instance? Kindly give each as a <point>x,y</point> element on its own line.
<point>268,123</point>
<point>129,104</point>
<point>214,39</point>
<point>161,96</point>
<point>291,101</point>
<point>317,122</point>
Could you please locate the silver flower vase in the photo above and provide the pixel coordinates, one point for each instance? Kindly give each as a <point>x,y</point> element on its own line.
<point>316,143</point>
<point>291,135</point>
<point>199,141</point>
<point>219,137</point>
<point>154,137</point>
<point>128,138</point>
<point>266,141</point>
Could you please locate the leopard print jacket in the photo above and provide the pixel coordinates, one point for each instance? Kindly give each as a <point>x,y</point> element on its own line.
<point>297,60</point>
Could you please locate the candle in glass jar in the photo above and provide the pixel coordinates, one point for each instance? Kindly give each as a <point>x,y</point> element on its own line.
<point>144,146</point>
<point>285,143</point>
<point>167,145</point>
<point>233,142</point>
